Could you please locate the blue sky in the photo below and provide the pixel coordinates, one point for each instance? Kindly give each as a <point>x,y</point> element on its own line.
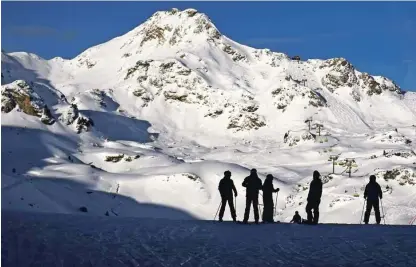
<point>377,37</point>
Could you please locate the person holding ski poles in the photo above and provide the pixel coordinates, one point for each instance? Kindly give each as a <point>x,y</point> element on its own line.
<point>253,185</point>
<point>314,199</point>
<point>372,193</point>
<point>268,204</point>
<point>226,188</point>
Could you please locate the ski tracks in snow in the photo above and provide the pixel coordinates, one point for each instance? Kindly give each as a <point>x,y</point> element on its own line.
<point>99,241</point>
<point>344,114</point>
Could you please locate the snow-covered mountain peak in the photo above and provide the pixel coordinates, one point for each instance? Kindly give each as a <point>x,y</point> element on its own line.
<point>177,27</point>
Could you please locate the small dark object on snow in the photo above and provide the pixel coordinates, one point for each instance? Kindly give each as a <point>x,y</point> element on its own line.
<point>89,192</point>
<point>21,198</point>
<point>31,204</point>
<point>285,137</point>
<point>107,214</point>
<point>14,170</point>
<point>408,141</point>
<point>83,209</point>
<point>296,58</point>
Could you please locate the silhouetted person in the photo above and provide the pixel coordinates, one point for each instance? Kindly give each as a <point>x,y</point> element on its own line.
<point>296,218</point>
<point>268,204</point>
<point>314,199</point>
<point>372,193</point>
<point>252,184</point>
<point>226,188</point>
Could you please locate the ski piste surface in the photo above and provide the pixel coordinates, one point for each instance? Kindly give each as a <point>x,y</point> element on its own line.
<point>42,239</point>
<point>278,222</point>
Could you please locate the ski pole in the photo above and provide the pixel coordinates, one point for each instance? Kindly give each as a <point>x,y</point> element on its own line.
<point>382,209</point>
<point>217,210</point>
<point>275,204</point>
<point>361,220</point>
<point>235,204</point>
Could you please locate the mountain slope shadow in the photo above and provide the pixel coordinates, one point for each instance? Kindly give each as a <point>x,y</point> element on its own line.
<point>116,127</point>
<point>25,148</point>
<point>16,71</point>
<point>62,195</point>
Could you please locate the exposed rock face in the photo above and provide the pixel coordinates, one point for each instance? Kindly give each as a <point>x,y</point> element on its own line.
<point>293,138</point>
<point>399,153</point>
<point>98,96</point>
<point>183,26</point>
<point>20,94</point>
<point>70,115</point>
<point>401,175</point>
<point>376,85</point>
<point>236,56</point>
<point>290,90</point>
<point>47,117</point>
<point>273,59</point>
<point>83,124</point>
<point>246,121</point>
<point>341,73</point>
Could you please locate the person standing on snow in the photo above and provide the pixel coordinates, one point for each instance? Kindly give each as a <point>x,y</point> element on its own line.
<point>314,199</point>
<point>226,188</point>
<point>372,193</point>
<point>268,204</point>
<point>253,185</point>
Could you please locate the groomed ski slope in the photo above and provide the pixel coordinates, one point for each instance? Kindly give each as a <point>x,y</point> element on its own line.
<point>30,239</point>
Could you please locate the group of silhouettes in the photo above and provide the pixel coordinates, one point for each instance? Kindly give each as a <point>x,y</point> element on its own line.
<point>254,185</point>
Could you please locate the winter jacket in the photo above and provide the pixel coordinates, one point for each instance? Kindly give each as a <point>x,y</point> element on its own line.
<point>315,191</point>
<point>226,187</point>
<point>373,191</point>
<point>268,189</point>
<point>253,185</point>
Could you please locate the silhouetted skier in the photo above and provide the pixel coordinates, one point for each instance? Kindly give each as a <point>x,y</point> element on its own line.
<point>226,188</point>
<point>296,218</point>
<point>268,204</point>
<point>314,199</point>
<point>372,193</point>
<point>252,184</point>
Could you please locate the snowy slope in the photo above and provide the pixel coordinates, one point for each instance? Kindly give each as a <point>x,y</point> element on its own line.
<point>60,240</point>
<point>157,115</point>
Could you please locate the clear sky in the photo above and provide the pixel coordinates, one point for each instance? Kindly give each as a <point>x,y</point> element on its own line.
<point>377,37</point>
